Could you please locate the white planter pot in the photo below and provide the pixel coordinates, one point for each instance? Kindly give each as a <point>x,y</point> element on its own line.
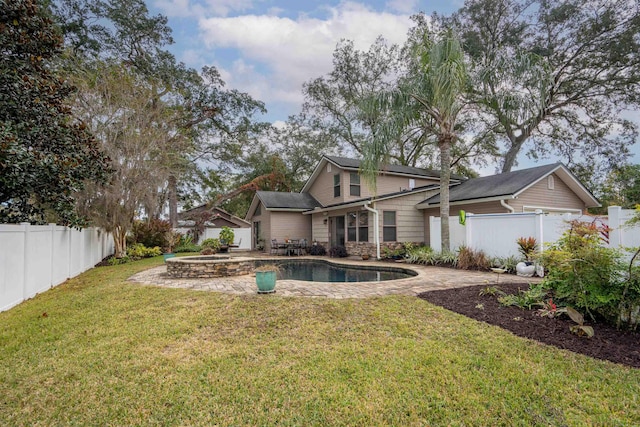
<point>524,270</point>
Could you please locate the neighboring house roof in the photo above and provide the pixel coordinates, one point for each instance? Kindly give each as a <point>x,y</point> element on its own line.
<point>218,217</point>
<point>510,185</point>
<point>275,200</point>
<point>354,165</point>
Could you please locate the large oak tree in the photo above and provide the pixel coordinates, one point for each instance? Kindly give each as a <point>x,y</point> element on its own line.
<point>557,76</point>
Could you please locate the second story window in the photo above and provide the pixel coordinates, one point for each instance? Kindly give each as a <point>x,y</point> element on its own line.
<point>354,184</point>
<point>336,185</point>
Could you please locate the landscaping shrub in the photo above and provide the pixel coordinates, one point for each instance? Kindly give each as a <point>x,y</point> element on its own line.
<point>593,278</point>
<point>226,236</point>
<point>508,263</point>
<point>398,253</point>
<point>527,247</point>
<point>317,250</point>
<point>139,251</point>
<point>338,252</point>
<point>534,296</point>
<point>469,259</point>
<point>187,247</point>
<point>151,233</point>
<point>420,254</point>
<point>211,243</point>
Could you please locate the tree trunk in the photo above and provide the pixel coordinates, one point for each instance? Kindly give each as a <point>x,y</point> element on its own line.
<point>512,153</point>
<point>445,177</point>
<point>173,201</point>
<point>120,242</point>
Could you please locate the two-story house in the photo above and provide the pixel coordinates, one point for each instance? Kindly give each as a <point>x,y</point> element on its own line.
<point>336,207</point>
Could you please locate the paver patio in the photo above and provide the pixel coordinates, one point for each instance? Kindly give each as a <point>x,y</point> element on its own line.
<point>428,279</point>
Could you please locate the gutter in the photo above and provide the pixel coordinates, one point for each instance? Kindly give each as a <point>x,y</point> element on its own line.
<point>506,206</point>
<point>376,231</point>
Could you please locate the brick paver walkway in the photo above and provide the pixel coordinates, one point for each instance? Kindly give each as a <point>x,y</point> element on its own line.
<point>428,279</point>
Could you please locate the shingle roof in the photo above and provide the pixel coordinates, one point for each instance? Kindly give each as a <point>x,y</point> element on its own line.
<point>503,184</point>
<point>281,200</point>
<point>345,162</point>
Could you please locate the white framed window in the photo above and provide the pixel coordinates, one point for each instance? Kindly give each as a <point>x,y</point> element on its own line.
<point>354,184</point>
<point>550,182</point>
<point>389,226</point>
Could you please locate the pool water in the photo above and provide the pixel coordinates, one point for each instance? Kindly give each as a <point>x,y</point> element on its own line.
<point>319,271</point>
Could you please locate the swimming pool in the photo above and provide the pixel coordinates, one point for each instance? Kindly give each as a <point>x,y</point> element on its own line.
<point>312,270</point>
<point>324,271</point>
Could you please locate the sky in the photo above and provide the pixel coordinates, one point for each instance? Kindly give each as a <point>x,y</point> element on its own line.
<point>270,48</point>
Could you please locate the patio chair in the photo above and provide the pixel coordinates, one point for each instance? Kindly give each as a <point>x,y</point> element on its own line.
<point>294,247</point>
<point>304,247</point>
<point>277,247</point>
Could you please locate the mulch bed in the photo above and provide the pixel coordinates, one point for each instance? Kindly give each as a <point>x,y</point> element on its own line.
<point>608,343</point>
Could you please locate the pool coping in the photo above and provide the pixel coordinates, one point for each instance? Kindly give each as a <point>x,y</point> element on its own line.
<point>428,278</point>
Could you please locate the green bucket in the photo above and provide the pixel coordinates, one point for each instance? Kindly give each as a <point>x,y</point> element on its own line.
<point>266,281</point>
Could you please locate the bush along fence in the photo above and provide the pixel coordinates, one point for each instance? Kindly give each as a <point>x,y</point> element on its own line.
<point>35,258</point>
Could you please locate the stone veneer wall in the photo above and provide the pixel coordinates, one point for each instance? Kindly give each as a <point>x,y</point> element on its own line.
<point>208,269</point>
<point>359,248</point>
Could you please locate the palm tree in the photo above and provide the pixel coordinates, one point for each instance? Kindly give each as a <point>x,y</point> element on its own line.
<point>431,96</point>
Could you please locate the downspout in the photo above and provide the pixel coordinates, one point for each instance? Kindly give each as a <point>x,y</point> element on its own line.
<point>376,230</point>
<point>506,206</point>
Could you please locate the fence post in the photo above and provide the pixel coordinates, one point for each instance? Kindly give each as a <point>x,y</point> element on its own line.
<point>52,230</point>
<point>615,233</point>
<point>26,227</point>
<point>468,230</point>
<point>539,218</point>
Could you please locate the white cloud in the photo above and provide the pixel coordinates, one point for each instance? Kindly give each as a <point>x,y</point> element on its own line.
<point>287,52</point>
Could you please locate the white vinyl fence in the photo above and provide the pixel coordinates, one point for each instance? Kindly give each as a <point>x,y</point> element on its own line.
<point>496,234</point>
<point>242,236</point>
<point>35,258</point>
<point>622,235</point>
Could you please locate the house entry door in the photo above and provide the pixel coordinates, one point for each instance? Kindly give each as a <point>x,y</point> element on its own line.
<point>336,229</point>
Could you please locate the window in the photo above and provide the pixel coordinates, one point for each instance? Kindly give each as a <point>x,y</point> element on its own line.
<point>336,185</point>
<point>363,227</point>
<point>354,187</point>
<point>412,183</point>
<point>389,226</point>
<point>352,230</point>
<point>550,182</point>
<point>358,227</point>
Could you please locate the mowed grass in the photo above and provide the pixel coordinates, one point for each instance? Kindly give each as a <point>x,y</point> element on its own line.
<point>98,350</point>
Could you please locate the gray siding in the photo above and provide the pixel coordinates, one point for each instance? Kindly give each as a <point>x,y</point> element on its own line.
<point>409,220</point>
<point>539,195</point>
<point>290,225</point>
<point>265,225</point>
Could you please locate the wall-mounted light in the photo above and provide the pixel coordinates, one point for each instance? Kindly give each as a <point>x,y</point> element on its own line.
<point>324,221</point>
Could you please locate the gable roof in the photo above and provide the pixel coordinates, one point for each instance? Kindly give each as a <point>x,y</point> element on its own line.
<point>367,200</point>
<point>276,200</point>
<point>215,214</point>
<point>354,165</point>
<point>510,185</point>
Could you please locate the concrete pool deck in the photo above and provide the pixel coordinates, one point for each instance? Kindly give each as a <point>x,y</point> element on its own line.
<point>428,279</point>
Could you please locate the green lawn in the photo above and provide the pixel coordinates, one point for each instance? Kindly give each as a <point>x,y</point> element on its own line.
<point>100,351</point>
